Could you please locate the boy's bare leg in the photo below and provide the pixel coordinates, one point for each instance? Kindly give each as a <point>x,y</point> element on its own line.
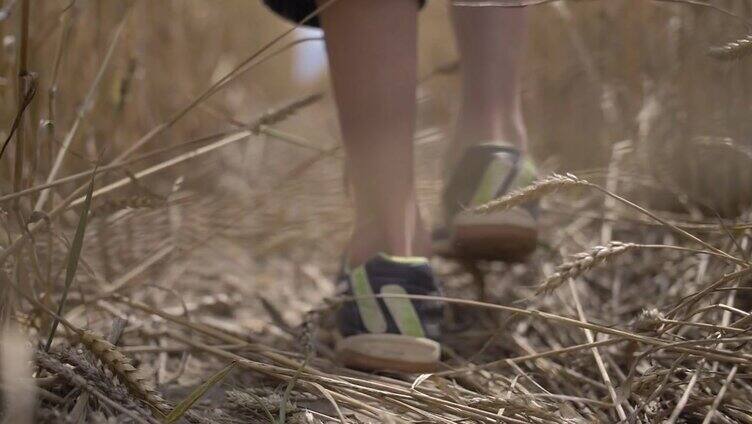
<point>372,57</point>
<point>490,41</point>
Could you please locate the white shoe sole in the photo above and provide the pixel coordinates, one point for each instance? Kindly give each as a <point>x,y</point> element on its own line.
<point>389,352</point>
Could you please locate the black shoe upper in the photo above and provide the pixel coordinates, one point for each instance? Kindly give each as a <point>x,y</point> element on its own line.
<point>390,274</point>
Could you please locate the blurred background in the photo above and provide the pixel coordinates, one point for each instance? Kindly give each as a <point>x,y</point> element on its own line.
<point>597,73</point>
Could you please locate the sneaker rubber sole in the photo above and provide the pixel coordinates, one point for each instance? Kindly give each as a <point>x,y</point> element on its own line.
<point>509,235</point>
<point>389,352</point>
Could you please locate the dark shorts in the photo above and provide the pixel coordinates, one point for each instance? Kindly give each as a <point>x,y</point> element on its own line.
<point>297,10</point>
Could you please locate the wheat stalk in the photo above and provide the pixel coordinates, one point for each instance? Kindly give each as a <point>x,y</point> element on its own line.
<point>582,262</point>
<point>556,181</point>
<point>81,113</point>
<point>73,199</point>
<point>274,116</point>
<point>250,401</point>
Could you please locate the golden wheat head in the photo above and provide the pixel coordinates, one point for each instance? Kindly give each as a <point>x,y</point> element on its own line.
<point>135,380</point>
<point>534,191</point>
<point>733,49</point>
<point>582,262</point>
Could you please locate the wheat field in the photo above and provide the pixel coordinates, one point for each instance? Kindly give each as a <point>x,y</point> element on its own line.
<point>172,215</point>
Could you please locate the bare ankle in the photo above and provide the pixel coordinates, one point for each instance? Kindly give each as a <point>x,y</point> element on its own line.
<point>370,237</point>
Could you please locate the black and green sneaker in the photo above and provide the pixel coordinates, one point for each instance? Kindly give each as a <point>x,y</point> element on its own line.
<point>390,333</point>
<point>486,172</point>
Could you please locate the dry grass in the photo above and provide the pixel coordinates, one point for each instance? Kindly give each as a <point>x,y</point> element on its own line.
<point>218,215</point>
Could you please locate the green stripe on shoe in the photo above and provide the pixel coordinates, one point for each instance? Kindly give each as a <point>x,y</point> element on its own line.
<point>407,260</point>
<point>402,310</point>
<point>370,312</point>
<point>525,176</point>
<point>493,177</point>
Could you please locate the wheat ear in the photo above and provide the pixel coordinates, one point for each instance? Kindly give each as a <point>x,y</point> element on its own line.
<point>135,380</point>
<point>582,262</point>
<point>557,181</point>
<point>53,365</point>
<point>96,377</point>
<point>733,49</point>
<point>274,116</point>
<point>534,191</point>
